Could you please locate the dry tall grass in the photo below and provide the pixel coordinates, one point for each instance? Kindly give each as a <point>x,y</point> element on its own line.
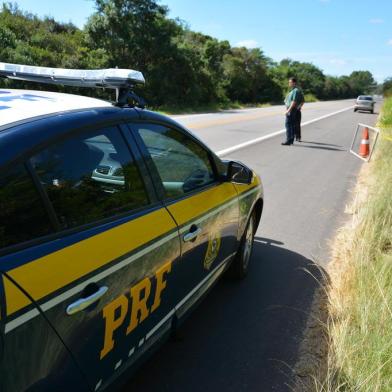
<point>359,295</point>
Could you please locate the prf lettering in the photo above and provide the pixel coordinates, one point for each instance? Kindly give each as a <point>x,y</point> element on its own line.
<point>115,313</point>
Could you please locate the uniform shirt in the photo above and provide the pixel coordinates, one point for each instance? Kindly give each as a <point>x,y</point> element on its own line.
<point>295,94</point>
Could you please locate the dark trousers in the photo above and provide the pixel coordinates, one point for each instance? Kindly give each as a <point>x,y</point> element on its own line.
<point>297,129</point>
<point>290,126</point>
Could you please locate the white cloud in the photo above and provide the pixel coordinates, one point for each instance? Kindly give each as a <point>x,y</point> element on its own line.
<point>389,42</point>
<point>376,21</point>
<point>248,43</point>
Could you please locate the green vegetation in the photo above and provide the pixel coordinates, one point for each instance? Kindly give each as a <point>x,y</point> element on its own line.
<point>360,294</point>
<point>183,68</point>
<point>387,87</point>
<point>310,98</point>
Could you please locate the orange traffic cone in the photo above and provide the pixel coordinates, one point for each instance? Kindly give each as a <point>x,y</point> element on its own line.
<point>364,146</point>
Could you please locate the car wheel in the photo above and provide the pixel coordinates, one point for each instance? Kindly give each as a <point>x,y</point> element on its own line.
<point>372,111</point>
<point>240,266</point>
<point>355,110</point>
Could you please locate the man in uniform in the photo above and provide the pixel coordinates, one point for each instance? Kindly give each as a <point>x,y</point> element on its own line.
<point>297,130</point>
<point>294,101</point>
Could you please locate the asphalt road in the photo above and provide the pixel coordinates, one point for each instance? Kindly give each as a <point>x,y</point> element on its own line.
<point>245,336</point>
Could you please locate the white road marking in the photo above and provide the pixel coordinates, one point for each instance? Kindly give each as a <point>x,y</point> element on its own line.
<point>98,385</point>
<point>273,134</point>
<point>118,364</point>
<point>131,351</point>
<point>141,342</point>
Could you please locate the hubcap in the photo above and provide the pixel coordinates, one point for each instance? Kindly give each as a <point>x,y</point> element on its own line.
<point>248,244</point>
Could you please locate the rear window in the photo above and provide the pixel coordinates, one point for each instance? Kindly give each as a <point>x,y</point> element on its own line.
<point>365,98</point>
<point>22,214</point>
<point>90,177</point>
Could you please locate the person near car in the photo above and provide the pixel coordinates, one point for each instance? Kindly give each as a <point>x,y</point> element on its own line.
<point>297,129</point>
<point>292,101</point>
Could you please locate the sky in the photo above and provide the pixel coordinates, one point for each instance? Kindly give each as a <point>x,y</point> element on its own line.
<point>339,36</point>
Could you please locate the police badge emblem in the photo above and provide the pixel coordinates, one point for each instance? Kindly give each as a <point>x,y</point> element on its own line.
<point>214,243</point>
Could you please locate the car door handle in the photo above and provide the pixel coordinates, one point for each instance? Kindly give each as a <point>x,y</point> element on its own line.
<point>84,303</point>
<point>192,234</point>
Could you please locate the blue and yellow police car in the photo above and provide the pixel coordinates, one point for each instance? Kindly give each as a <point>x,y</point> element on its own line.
<point>114,222</point>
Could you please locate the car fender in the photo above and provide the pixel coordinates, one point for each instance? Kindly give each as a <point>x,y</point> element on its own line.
<point>250,198</point>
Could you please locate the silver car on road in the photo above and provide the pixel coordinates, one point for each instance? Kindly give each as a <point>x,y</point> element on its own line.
<point>364,102</point>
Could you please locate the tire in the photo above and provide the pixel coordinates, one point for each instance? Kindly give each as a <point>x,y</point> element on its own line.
<point>240,265</point>
<point>372,111</point>
<point>355,110</point>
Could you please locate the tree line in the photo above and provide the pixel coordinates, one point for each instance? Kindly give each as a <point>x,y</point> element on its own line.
<point>181,67</point>
<point>386,88</point>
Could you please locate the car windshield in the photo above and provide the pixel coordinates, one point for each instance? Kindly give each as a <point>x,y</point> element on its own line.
<point>365,98</point>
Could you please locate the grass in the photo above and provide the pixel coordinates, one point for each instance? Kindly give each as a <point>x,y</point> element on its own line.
<point>359,295</point>
<point>171,110</point>
<point>310,98</point>
<point>216,107</point>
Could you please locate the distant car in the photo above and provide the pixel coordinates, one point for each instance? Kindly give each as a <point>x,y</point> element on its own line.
<point>365,103</point>
<point>114,222</point>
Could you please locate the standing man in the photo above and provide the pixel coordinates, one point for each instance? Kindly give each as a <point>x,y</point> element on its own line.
<point>297,129</point>
<point>293,101</point>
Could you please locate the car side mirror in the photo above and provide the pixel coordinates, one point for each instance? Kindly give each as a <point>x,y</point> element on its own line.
<point>238,173</point>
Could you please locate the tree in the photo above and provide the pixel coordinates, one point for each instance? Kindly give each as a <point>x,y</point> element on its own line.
<point>26,39</point>
<point>362,82</point>
<point>205,55</point>
<point>337,88</point>
<point>247,76</point>
<point>387,87</point>
<point>182,67</point>
<point>310,78</point>
<point>137,34</point>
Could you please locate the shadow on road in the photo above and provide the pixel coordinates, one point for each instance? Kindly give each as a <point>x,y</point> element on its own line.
<point>322,144</point>
<point>245,335</point>
<point>330,148</point>
<point>367,112</point>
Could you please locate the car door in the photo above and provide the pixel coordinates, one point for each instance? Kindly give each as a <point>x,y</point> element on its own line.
<point>105,281</point>
<point>32,356</point>
<point>205,208</point>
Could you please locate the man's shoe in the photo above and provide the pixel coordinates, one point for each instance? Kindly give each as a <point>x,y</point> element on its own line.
<point>286,144</point>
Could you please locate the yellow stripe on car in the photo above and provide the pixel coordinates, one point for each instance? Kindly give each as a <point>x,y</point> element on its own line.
<point>191,207</point>
<point>42,276</point>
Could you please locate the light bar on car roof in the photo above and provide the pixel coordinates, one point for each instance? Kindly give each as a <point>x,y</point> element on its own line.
<point>113,78</point>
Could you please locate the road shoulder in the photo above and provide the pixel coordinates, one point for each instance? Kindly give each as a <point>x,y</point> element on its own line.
<point>315,356</point>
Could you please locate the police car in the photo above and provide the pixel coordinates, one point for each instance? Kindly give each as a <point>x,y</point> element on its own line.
<point>114,222</point>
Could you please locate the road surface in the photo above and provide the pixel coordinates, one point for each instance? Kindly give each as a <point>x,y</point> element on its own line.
<point>245,336</point>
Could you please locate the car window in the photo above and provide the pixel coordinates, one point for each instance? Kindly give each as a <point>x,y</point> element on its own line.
<point>90,177</point>
<point>183,165</point>
<point>22,214</point>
